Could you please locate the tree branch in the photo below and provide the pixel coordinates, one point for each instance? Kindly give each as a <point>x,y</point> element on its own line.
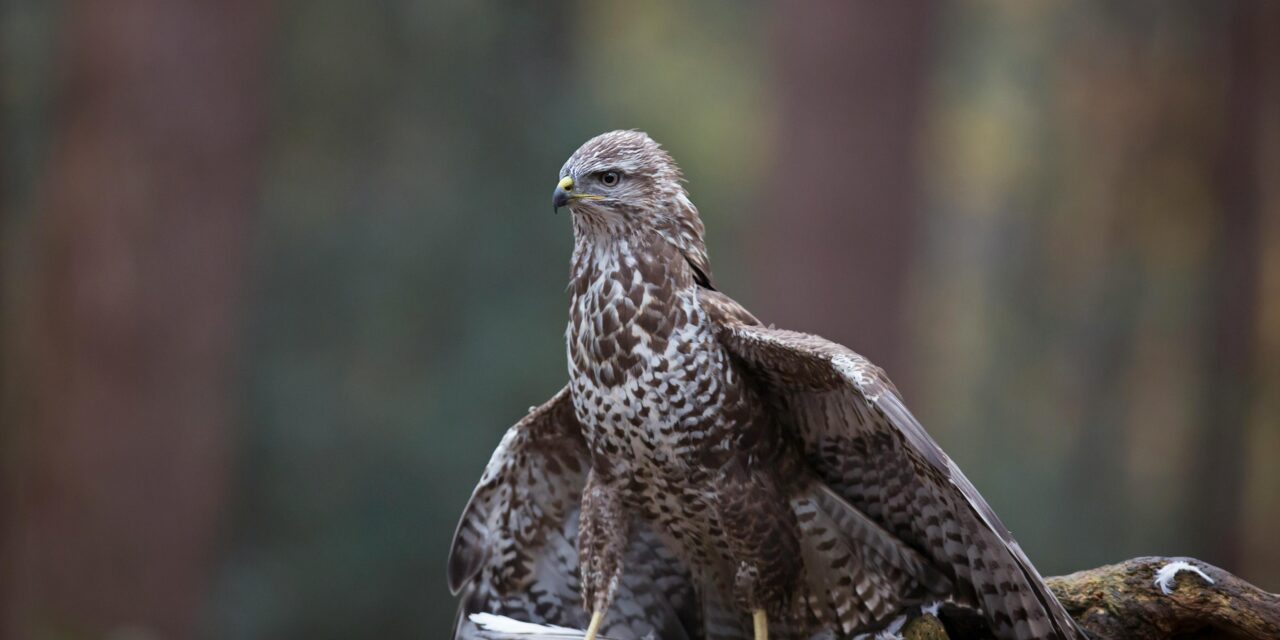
<point>1149,598</point>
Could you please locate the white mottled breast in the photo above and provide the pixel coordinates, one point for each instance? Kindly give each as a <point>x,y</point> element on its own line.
<point>648,377</point>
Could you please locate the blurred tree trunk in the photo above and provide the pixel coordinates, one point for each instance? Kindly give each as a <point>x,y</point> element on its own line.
<point>1262,486</point>
<point>836,243</point>
<point>130,325</point>
<point>1217,496</point>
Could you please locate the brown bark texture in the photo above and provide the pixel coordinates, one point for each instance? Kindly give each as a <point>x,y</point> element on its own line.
<point>1124,602</point>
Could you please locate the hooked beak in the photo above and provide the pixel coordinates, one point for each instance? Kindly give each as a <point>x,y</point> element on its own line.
<point>564,194</point>
<point>561,195</point>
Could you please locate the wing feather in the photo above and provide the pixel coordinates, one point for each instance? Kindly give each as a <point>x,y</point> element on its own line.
<point>861,439</point>
<point>514,553</point>
<point>531,485</point>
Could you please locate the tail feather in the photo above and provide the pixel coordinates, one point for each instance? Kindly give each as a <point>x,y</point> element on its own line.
<point>720,617</point>
<point>857,575</point>
<point>884,550</point>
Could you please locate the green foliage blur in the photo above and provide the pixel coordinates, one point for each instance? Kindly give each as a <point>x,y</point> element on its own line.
<point>405,285</point>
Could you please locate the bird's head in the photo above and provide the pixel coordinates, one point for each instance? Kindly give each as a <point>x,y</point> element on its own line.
<point>620,181</point>
<point>623,184</point>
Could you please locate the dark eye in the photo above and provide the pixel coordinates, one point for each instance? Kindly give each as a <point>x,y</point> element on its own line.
<point>610,178</point>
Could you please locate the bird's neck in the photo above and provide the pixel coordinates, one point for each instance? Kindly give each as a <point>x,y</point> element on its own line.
<point>629,259</point>
<point>674,263</point>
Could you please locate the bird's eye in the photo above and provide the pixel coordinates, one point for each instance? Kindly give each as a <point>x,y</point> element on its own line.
<point>609,178</point>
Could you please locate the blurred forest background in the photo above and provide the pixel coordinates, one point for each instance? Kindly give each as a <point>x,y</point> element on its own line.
<point>276,276</point>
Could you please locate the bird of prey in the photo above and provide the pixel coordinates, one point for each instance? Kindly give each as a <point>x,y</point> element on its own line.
<point>704,475</point>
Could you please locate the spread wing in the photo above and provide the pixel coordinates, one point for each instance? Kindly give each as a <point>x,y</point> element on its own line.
<point>514,552</point>
<point>860,438</point>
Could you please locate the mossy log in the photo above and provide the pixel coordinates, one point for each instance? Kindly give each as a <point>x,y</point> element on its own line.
<point>1150,598</point>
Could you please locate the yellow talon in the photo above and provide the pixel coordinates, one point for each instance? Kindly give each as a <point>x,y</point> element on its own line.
<point>594,627</point>
<point>761,623</point>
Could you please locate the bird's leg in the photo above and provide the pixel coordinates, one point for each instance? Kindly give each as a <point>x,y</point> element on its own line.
<point>761,539</point>
<point>602,540</point>
<point>597,617</point>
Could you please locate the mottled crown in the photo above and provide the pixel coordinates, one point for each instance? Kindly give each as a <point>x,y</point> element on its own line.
<point>630,152</point>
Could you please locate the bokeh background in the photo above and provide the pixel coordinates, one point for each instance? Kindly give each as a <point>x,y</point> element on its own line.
<point>276,275</point>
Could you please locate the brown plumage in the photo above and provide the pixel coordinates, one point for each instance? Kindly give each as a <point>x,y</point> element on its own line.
<point>700,466</point>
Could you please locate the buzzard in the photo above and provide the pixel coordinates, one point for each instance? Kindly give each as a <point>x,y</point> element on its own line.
<point>704,475</point>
